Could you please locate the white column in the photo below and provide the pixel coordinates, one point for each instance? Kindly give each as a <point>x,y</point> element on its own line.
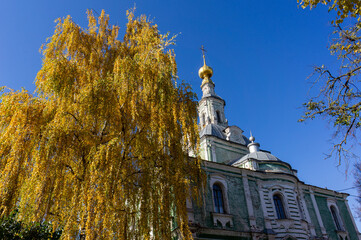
<point>353,220</point>
<point>267,221</point>
<point>305,210</point>
<point>252,219</point>
<point>213,149</point>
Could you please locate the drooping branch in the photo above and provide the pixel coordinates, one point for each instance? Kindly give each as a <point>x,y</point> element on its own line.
<point>339,97</point>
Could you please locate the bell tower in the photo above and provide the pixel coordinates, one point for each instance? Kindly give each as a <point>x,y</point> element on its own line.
<point>211,106</point>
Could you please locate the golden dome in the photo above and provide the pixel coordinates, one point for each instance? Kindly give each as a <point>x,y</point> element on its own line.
<point>205,72</point>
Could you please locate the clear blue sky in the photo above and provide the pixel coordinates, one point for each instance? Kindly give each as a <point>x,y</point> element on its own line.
<point>261,53</point>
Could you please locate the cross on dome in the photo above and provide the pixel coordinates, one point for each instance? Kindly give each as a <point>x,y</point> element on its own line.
<point>205,72</point>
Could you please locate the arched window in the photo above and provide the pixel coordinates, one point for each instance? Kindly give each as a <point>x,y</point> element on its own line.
<point>277,199</point>
<point>218,116</point>
<point>218,199</point>
<point>335,218</point>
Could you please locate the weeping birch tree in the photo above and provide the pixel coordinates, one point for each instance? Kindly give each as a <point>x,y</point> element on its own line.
<point>100,149</point>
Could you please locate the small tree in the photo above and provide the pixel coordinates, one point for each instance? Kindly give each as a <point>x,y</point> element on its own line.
<point>101,149</point>
<point>12,229</point>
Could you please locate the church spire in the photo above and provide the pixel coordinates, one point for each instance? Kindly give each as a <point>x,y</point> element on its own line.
<point>211,106</point>
<point>206,73</point>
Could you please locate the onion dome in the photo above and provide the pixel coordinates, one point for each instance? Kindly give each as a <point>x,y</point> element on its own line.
<point>205,71</point>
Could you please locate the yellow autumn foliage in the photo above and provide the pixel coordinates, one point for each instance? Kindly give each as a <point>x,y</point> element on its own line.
<point>337,87</point>
<point>343,8</point>
<point>101,148</point>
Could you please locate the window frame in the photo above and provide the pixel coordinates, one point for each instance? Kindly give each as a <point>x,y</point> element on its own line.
<point>220,180</point>
<point>279,205</point>
<point>219,118</point>
<point>218,198</point>
<point>335,217</point>
<point>332,204</point>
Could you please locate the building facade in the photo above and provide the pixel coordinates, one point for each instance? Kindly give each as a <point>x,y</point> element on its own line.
<point>251,194</point>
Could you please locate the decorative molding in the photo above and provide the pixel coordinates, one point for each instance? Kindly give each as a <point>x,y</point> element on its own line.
<point>331,202</point>
<point>342,234</point>
<point>252,219</point>
<point>221,180</point>
<point>286,224</point>
<point>223,219</point>
<point>318,215</point>
<point>278,189</point>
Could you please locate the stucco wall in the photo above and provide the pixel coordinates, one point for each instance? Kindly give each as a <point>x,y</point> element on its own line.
<point>312,212</point>
<point>256,202</point>
<point>347,219</point>
<point>262,187</point>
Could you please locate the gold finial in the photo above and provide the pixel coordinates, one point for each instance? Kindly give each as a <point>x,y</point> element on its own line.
<point>205,72</point>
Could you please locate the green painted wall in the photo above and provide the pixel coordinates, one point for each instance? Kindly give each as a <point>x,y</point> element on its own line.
<point>257,206</point>
<point>273,167</point>
<point>238,208</point>
<point>347,219</point>
<point>326,217</point>
<point>328,221</point>
<point>237,203</point>
<point>312,213</point>
<point>225,155</point>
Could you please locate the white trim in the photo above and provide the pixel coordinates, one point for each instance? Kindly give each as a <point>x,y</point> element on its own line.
<point>333,203</point>
<point>252,219</point>
<point>311,226</point>
<point>219,179</point>
<point>263,196</point>
<point>318,215</point>
<point>289,236</point>
<point>284,204</point>
<point>353,220</point>
<point>278,189</point>
<point>214,155</point>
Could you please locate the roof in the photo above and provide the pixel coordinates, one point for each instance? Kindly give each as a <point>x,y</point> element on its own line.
<point>259,155</point>
<point>213,130</point>
<point>218,131</point>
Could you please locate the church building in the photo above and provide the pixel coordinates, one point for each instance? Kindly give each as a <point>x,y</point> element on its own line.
<point>251,194</point>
